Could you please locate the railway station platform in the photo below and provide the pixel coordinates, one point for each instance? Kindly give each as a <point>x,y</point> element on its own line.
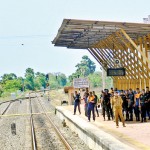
<point>104,134</point>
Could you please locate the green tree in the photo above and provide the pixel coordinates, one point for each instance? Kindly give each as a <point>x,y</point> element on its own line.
<point>109,82</point>
<point>62,80</point>
<point>95,79</point>
<point>85,67</point>
<point>40,80</point>
<point>57,80</point>
<point>6,77</point>
<point>53,82</point>
<point>12,85</point>
<point>29,79</point>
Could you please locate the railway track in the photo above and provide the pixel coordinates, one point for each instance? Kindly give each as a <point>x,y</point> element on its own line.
<point>35,122</point>
<point>57,138</point>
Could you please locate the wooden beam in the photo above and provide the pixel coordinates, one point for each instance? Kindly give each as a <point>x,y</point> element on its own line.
<point>129,45</point>
<point>134,45</point>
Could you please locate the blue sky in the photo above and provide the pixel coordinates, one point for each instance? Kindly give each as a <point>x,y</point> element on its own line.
<point>35,23</point>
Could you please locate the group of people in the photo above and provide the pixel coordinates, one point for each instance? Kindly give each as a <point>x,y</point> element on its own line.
<point>91,101</point>
<point>117,104</point>
<point>126,103</point>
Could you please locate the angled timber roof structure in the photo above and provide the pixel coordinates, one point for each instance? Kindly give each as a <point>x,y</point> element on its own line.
<point>106,41</point>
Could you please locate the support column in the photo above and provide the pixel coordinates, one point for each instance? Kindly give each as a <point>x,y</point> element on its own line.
<point>103,78</point>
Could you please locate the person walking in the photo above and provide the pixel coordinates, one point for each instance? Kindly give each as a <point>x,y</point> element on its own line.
<point>117,105</point>
<point>77,102</point>
<point>91,106</point>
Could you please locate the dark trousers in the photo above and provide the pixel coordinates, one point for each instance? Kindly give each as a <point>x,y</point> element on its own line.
<point>91,108</point>
<point>96,110</point>
<point>125,111</point>
<point>108,110</point>
<point>137,113</point>
<point>143,112</point>
<point>75,107</point>
<point>130,110</point>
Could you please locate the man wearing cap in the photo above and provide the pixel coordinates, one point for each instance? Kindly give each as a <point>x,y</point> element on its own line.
<point>107,105</point>
<point>117,105</point>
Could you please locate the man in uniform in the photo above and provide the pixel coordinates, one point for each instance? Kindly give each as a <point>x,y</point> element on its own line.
<point>130,104</point>
<point>124,105</point>
<point>117,105</point>
<point>76,102</point>
<point>107,105</point>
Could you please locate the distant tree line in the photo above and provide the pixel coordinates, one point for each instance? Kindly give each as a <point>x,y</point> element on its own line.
<point>34,81</point>
<point>31,81</point>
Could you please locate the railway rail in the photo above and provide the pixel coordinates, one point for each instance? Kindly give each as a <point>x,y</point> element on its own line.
<point>34,142</point>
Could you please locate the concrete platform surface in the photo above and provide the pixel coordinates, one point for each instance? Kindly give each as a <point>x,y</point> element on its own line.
<point>135,135</point>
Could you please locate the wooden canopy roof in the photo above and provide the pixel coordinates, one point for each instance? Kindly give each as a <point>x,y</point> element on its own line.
<point>107,41</point>
<point>82,34</point>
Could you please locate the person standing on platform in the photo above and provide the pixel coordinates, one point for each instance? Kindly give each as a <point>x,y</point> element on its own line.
<point>127,99</point>
<point>143,106</point>
<point>95,102</point>
<point>130,104</point>
<point>124,105</point>
<point>77,102</point>
<point>137,104</point>
<point>91,106</point>
<point>107,104</point>
<point>117,104</point>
